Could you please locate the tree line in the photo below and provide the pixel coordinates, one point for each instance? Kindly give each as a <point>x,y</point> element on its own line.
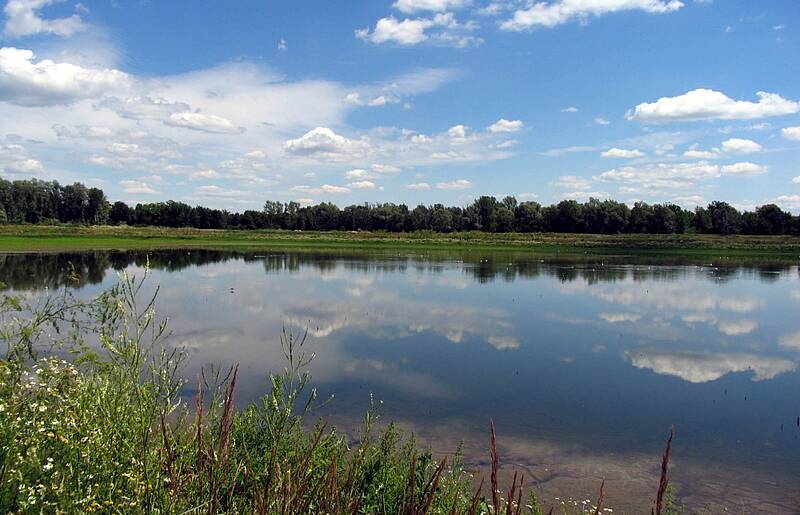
<point>47,202</point>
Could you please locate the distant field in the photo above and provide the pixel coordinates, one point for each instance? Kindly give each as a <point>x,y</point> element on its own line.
<point>54,238</point>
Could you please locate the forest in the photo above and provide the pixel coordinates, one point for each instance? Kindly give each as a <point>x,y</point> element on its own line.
<point>49,203</point>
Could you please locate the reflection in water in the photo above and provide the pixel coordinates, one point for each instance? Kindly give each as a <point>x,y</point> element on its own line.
<point>701,367</point>
<point>569,355</point>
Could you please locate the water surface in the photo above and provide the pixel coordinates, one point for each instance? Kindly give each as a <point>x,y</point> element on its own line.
<point>583,362</point>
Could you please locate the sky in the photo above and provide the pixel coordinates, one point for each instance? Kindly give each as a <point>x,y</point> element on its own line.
<point>228,104</point>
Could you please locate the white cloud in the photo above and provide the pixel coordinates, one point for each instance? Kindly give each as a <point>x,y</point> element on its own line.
<point>506,144</point>
<point>792,133</point>
<point>796,180</point>
<point>203,122</point>
<point>15,160</point>
<point>419,186</point>
<point>459,184</point>
<point>706,104</point>
<point>503,125</point>
<point>374,172</point>
<point>616,318</point>
<point>362,185</point>
<point>700,154</point>
<point>22,19</point>
<point>137,188</point>
<point>676,176</point>
<point>214,191</point>
<point>412,6</point>
<point>28,83</point>
<point>573,182</point>
<point>457,132</point>
<point>584,195</point>
<point>324,142</point>
<point>740,146</point>
<point>702,367</point>
<point>601,121</point>
<point>745,169</point>
<point>623,153</point>
<point>143,107</point>
<point>329,188</point>
<point>789,201</point>
<point>283,46</point>
<point>570,109</point>
<point>550,14</point>
<point>442,29</point>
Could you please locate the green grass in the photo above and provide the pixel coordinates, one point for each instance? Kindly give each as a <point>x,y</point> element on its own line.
<point>55,238</point>
<point>106,429</point>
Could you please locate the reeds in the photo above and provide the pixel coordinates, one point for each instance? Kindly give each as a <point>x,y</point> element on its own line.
<point>663,483</point>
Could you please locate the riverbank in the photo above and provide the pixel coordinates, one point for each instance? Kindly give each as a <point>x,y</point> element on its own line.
<point>21,238</point>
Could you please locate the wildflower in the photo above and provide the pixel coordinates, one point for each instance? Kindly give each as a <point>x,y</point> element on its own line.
<point>49,464</point>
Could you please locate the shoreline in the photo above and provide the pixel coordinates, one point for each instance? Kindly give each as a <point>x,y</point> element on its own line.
<point>62,238</point>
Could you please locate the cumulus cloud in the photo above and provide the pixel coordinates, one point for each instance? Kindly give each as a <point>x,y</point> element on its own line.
<point>746,169</point>
<point>707,104</point>
<point>792,133</point>
<point>700,154</point>
<point>623,153</point>
<point>137,188</point>
<point>573,182</point>
<point>27,82</point>
<point>672,176</point>
<point>702,367</point>
<point>740,146</point>
<point>503,125</point>
<point>789,201</point>
<point>15,160</point>
<point>412,6</point>
<point>362,185</point>
<point>459,184</point>
<point>550,14</point>
<point>203,122</point>
<point>22,19</point>
<point>323,142</point>
<point>329,188</point>
<point>374,172</point>
<point>442,29</point>
<point>419,186</point>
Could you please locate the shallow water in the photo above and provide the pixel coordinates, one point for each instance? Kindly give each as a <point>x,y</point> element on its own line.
<point>583,362</point>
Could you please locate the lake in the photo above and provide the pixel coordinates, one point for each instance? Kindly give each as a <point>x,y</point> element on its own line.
<point>583,362</point>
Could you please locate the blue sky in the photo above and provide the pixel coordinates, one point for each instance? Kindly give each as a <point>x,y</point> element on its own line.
<point>228,104</point>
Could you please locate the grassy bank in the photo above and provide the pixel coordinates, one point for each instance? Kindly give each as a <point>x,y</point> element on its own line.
<point>54,238</point>
<point>110,428</point>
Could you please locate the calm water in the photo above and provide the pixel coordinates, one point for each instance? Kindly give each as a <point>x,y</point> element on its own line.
<point>582,362</point>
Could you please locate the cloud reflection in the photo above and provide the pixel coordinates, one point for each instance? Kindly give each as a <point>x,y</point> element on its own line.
<point>702,367</point>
